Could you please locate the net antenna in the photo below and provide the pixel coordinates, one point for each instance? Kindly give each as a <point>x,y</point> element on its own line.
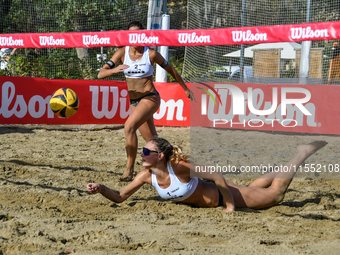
<point>243,17</point>
<point>158,21</point>
<point>154,14</point>
<point>305,53</point>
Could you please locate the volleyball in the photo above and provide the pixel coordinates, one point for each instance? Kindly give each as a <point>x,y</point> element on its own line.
<point>64,102</point>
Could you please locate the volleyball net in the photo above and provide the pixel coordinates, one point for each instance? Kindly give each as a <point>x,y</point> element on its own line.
<point>232,55</point>
<point>215,61</point>
<point>223,42</point>
<point>263,63</point>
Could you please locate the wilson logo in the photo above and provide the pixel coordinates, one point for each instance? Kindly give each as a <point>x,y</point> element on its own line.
<point>193,38</point>
<point>248,36</point>
<point>9,41</point>
<point>95,40</point>
<point>142,38</point>
<point>103,96</point>
<point>302,33</point>
<point>49,40</point>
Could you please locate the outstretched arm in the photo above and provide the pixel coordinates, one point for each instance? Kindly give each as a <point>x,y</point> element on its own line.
<point>120,196</point>
<point>157,58</point>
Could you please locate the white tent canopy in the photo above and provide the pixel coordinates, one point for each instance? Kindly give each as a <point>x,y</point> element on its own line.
<point>287,50</point>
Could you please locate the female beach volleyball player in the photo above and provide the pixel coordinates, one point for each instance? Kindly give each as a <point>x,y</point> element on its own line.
<point>138,62</point>
<point>170,172</point>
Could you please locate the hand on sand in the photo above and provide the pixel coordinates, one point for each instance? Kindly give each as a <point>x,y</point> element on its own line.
<point>93,188</point>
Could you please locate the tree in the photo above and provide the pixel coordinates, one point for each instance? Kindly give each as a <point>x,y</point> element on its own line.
<point>5,6</point>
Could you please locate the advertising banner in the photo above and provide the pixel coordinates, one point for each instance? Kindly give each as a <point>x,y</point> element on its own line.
<point>185,37</point>
<point>25,100</point>
<point>286,107</point>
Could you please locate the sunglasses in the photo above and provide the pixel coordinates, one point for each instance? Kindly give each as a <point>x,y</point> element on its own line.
<point>146,151</point>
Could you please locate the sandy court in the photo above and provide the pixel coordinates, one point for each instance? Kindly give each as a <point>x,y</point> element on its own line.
<point>45,208</point>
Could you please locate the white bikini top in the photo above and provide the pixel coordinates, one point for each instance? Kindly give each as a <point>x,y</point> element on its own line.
<point>138,69</point>
<point>177,191</point>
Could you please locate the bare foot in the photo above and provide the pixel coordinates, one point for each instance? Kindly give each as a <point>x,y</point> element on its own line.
<point>127,176</point>
<point>311,148</point>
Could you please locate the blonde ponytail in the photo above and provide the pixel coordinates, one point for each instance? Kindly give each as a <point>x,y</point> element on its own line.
<point>177,155</point>
<point>173,153</point>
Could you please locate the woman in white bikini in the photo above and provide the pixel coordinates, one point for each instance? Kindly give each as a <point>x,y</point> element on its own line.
<point>138,67</point>
<point>171,173</point>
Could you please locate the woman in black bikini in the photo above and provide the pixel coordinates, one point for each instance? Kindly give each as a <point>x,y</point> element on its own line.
<point>138,68</point>
<point>170,172</point>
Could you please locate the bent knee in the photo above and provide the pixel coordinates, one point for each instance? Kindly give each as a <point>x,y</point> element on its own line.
<point>278,197</point>
<point>129,128</point>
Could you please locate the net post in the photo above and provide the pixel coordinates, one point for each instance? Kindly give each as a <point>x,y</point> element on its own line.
<point>161,74</point>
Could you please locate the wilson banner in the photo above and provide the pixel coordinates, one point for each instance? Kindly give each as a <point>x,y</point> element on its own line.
<point>26,101</point>
<point>185,37</point>
<point>284,108</point>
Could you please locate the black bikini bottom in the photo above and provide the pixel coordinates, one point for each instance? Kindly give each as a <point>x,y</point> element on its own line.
<point>220,196</point>
<point>135,102</point>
